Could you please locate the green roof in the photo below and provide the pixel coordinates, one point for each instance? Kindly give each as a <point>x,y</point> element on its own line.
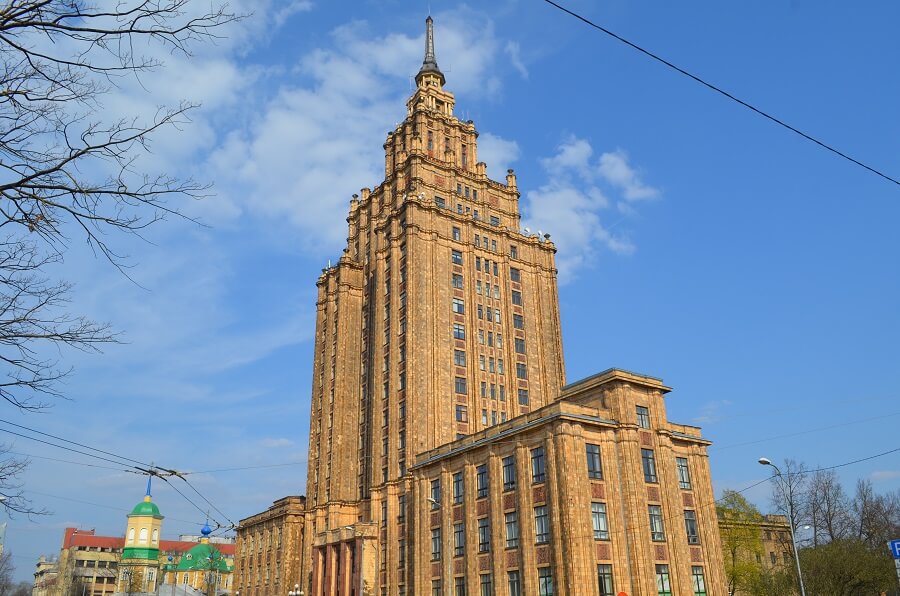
<point>202,556</point>
<point>146,508</point>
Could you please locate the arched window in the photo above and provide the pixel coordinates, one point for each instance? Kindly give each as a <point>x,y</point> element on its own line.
<point>155,536</point>
<point>142,537</point>
<point>130,534</point>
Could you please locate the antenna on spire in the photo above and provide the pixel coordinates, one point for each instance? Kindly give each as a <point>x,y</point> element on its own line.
<point>149,480</point>
<point>429,65</point>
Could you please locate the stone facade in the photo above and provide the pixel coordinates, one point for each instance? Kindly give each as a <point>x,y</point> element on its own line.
<point>774,550</point>
<point>268,548</point>
<point>438,350</point>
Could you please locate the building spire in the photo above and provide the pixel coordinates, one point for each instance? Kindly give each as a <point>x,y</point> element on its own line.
<point>429,65</point>
<point>147,495</point>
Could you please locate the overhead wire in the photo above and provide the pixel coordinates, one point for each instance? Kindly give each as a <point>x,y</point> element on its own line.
<point>721,91</point>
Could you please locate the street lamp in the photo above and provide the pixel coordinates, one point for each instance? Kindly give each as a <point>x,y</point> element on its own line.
<point>296,591</point>
<point>766,462</point>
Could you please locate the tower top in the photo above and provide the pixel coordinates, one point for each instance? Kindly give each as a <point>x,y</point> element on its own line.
<point>429,71</point>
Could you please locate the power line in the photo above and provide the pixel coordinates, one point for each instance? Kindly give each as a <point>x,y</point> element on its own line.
<point>290,463</point>
<point>721,91</point>
<point>65,461</point>
<point>208,502</point>
<point>34,492</point>
<point>5,430</point>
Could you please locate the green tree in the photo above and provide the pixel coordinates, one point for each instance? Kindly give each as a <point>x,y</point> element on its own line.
<point>741,541</point>
<point>847,567</point>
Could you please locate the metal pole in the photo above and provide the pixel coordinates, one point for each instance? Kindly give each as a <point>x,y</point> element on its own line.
<point>791,524</point>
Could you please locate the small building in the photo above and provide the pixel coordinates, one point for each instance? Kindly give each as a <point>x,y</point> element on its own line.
<point>268,550</point>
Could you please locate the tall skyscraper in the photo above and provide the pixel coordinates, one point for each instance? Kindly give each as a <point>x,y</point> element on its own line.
<point>438,341</point>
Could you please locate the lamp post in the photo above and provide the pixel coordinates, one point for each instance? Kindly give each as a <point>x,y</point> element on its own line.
<point>766,462</point>
<point>296,591</point>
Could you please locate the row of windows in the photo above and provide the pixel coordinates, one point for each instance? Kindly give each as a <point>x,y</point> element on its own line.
<point>486,584</point>
<point>648,462</point>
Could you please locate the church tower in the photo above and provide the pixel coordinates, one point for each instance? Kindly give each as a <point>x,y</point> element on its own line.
<point>140,558</point>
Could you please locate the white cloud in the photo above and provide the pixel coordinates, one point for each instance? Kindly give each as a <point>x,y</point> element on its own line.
<point>514,52</point>
<point>498,153</point>
<point>271,443</point>
<point>883,475</point>
<point>574,205</point>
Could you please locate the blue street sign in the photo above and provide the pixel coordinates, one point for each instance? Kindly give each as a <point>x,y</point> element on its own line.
<point>895,548</point>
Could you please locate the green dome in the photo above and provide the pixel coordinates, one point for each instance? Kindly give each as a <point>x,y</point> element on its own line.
<point>145,508</point>
<point>202,556</point>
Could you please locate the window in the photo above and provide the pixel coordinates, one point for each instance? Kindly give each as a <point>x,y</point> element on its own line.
<point>456,233</point>
<point>657,531</point>
<point>495,221</point>
<point>490,314</point>
<point>459,539</point>
<point>649,463</point>
<point>490,341</point>
<point>500,366</point>
<point>594,468</point>
<point>520,345</point>
<point>521,370</point>
<point>477,241</point>
<point>698,581</point>
<point>401,508</point>
<point>643,417</point>
<point>605,579</point>
<point>435,544</point>
<point>663,586</point>
<point>436,493</point>
<point>439,202</point>
<point>436,588</point>
<point>684,473</point>
<point>773,558</point>
<point>484,418</point>
<point>430,140</point>
<point>523,396</point>
<point>458,487</point>
<point>142,535</point>
<point>401,553</point>
<point>495,268</point>
<point>499,340</point>
<point>514,251</point>
<point>538,467</point>
<point>496,315</point>
<point>484,535</point>
<point>475,213</point>
<point>480,311</point>
<point>509,472</point>
<point>515,274</point>
<point>502,387</point>
<point>460,385</point>
<point>456,257</point>
<point>487,587</point>
<point>459,586</point>
<point>477,263</point>
<point>459,331</point>
<point>497,292</point>
<point>541,525</point>
<point>598,519</point>
<point>478,286</point>
<point>518,322</point>
<point>459,306</point>
<point>515,583</point>
<point>483,383</point>
<point>512,529</point>
<point>459,357</point>
<point>481,480</point>
<point>690,525</point>
<point>545,582</point>
<point>462,414</point>
<point>517,297</point>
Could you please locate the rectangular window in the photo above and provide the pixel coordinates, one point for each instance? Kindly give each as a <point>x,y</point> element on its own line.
<point>490,341</point>
<point>479,310</point>
<point>435,544</point>
<point>478,286</point>
<point>538,465</point>
<point>521,370</point>
<point>477,241</point>
<point>484,535</point>
<point>518,322</point>
<point>459,306</point>
<point>462,414</point>
<point>515,583</point>
<point>456,257</point>
<point>495,221</point>
<point>698,580</point>
<point>459,586</point>
<point>496,315</point>
<point>515,274</point>
<point>460,385</point>
<point>690,526</point>
<point>545,582</point>
<point>523,397</point>
<point>649,463</point>
<point>490,314</point>
<point>605,579</point>
<point>643,417</point>
<point>430,140</point>
<point>509,472</point>
<point>458,487</point>
<point>512,529</point>
<point>657,530</point>
<point>459,539</point>
<point>481,481</point>
<point>514,251</point>
<point>436,588</point>
<point>401,509</point>
<point>483,383</point>
<point>477,263</point>
<point>684,473</point>
<point>496,272</point>
<point>502,387</point>
<point>475,214</point>
<point>484,418</point>
<point>594,467</point>
<point>464,156</point>
<point>500,366</point>
<point>663,585</point>
<point>497,292</point>
<point>459,357</point>
<point>456,233</point>
<point>517,297</point>
<point>541,525</point>
<point>599,521</point>
<point>439,202</point>
<point>436,493</point>
<point>520,345</point>
<point>487,585</point>
<point>459,331</point>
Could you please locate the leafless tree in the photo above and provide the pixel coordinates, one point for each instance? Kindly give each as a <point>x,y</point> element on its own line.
<point>827,507</point>
<point>789,492</point>
<point>68,172</point>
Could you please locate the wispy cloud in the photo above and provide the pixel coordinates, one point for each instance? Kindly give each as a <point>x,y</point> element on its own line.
<point>498,153</point>
<point>514,52</point>
<point>884,475</point>
<point>574,204</point>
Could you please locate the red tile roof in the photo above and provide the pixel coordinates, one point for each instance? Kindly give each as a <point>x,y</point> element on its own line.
<point>74,537</point>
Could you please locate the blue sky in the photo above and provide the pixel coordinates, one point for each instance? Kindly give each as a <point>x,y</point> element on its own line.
<point>754,272</point>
